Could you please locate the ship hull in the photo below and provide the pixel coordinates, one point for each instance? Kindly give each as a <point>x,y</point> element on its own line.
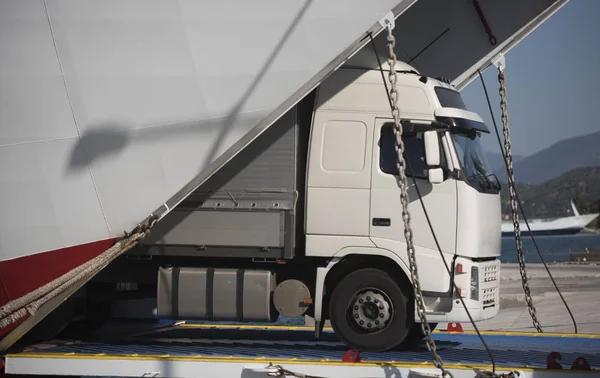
<point>561,226</point>
<point>25,274</point>
<point>560,231</point>
<point>115,110</point>
<point>108,109</point>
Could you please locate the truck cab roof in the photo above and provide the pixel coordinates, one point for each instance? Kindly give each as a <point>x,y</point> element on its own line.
<point>362,89</point>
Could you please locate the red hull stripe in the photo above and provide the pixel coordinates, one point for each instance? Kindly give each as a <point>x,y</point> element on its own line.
<point>25,274</point>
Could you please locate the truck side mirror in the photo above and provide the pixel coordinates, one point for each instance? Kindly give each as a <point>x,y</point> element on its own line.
<point>432,148</point>
<point>435,175</point>
<point>432,157</point>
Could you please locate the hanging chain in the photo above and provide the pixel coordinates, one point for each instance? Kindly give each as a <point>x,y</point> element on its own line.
<point>437,360</point>
<point>513,201</point>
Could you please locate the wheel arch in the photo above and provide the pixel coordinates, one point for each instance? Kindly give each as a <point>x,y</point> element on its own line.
<point>349,259</point>
<point>367,258</point>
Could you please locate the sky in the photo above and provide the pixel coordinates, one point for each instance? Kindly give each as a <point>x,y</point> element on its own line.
<point>552,82</point>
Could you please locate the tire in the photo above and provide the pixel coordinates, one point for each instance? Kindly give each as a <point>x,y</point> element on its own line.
<point>372,286</point>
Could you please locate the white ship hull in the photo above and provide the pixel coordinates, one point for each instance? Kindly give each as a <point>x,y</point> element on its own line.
<point>560,226</point>
<point>108,109</point>
<point>111,111</point>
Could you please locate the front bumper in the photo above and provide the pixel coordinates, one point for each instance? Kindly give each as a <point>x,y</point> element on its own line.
<point>479,286</point>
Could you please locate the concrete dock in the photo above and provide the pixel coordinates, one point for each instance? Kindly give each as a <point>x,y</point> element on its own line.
<point>579,284</point>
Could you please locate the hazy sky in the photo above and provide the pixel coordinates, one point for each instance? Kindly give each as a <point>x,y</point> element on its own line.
<point>553,82</point>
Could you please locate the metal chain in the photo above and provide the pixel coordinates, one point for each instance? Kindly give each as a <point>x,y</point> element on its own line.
<point>281,372</point>
<point>437,360</point>
<point>513,200</point>
<point>489,374</point>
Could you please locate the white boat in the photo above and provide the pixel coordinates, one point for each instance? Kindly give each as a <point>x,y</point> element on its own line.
<point>558,226</point>
<point>115,110</point>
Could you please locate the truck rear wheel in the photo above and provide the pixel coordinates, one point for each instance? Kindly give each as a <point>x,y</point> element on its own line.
<point>368,311</point>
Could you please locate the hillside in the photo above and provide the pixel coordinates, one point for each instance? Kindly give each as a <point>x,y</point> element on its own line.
<point>561,157</point>
<point>552,198</point>
<point>496,161</point>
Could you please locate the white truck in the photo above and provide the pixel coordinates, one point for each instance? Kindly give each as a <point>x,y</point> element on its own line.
<point>307,220</point>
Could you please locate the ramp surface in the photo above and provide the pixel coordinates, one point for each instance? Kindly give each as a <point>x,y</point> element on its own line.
<point>283,345</point>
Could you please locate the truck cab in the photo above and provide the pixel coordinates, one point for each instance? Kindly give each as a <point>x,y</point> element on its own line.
<point>353,196</point>
<point>307,221</point>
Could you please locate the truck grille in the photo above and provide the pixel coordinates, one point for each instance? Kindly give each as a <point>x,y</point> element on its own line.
<point>491,273</point>
<point>489,297</point>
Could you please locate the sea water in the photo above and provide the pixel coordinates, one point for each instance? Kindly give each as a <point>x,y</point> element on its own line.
<point>552,248</point>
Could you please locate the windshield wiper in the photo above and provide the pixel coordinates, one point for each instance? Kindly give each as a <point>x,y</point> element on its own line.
<point>497,185</point>
<point>486,183</point>
<point>479,166</point>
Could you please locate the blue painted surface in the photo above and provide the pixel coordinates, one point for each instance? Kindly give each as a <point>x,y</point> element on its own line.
<point>558,231</point>
<point>513,351</point>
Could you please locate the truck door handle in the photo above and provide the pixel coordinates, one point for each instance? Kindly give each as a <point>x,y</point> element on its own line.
<point>383,222</point>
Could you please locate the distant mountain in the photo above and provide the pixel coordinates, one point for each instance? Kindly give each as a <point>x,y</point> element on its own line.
<point>553,198</point>
<point>496,161</point>
<point>582,151</point>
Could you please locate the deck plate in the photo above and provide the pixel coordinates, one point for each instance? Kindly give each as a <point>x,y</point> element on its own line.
<point>256,343</point>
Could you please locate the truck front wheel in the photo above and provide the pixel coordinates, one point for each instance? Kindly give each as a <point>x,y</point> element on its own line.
<point>369,311</point>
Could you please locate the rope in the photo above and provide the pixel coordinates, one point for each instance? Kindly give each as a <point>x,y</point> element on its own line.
<point>31,302</point>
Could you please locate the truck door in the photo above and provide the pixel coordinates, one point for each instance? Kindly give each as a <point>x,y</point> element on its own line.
<point>387,226</point>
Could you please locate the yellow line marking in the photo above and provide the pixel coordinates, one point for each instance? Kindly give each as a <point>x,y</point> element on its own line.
<point>311,328</point>
<point>275,361</point>
<point>530,334</point>
<point>252,327</point>
<point>295,361</point>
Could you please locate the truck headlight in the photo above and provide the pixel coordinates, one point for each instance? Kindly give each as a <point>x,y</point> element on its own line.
<point>474,283</point>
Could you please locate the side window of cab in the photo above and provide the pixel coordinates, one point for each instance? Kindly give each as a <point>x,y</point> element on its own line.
<point>414,152</point>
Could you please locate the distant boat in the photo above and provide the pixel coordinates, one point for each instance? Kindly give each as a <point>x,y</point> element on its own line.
<point>558,226</point>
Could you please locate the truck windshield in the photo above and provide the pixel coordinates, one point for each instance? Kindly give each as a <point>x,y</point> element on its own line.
<point>467,136</point>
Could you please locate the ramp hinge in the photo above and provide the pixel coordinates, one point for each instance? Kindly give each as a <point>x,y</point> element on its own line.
<point>388,21</point>
<point>499,62</point>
